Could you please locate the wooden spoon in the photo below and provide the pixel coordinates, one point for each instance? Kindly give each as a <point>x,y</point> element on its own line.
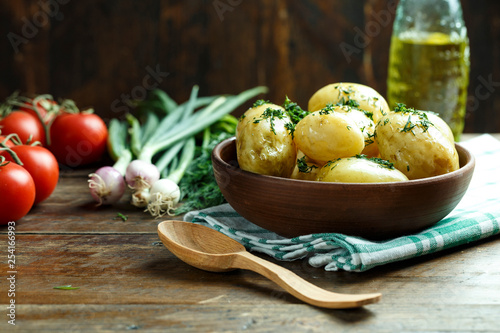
<point>210,250</point>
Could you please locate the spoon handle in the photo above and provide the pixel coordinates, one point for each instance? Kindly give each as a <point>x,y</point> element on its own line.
<point>299,287</point>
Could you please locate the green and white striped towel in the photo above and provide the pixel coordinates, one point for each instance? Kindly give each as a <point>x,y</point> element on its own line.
<point>476,217</point>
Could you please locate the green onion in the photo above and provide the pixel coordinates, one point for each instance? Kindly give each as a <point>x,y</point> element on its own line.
<point>68,287</point>
<point>118,147</point>
<point>165,135</point>
<point>149,127</point>
<point>121,216</point>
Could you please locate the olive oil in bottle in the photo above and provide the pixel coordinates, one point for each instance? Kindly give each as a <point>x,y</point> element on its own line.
<point>430,72</point>
<point>429,59</point>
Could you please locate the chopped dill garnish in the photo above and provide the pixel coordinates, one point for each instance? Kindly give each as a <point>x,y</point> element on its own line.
<point>368,114</point>
<point>303,166</point>
<point>401,107</point>
<point>271,114</point>
<point>350,103</point>
<point>369,140</point>
<point>294,111</point>
<point>296,114</point>
<point>344,90</point>
<point>327,109</point>
<point>408,126</point>
<point>332,162</point>
<point>260,102</point>
<point>381,162</point>
<point>291,128</point>
<point>422,122</point>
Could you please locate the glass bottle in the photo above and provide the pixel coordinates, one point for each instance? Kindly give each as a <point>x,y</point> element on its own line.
<point>429,59</point>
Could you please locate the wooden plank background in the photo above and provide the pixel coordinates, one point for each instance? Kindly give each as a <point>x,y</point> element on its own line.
<point>103,53</point>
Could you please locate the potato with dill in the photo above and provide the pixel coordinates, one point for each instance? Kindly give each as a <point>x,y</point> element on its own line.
<point>326,135</point>
<point>264,144</point>
<point>417,147</point>
<point>360,169</point>
<point>355,95</point>
<point>366,125</point>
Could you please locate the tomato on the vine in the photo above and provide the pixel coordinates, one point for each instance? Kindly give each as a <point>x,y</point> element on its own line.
<point>17,190</point>
<point>25,125</point>
<point>43,107</point>
<point>78,139</point>
<point>29,107</point>
<point>42,166</point>
<point>8,142</point>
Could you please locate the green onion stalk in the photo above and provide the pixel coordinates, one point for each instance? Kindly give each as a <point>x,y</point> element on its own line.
<point>164,146</point>
<point>107,185</point>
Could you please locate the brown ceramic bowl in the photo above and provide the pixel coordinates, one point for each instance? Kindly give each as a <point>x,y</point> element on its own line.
<point>292,207</point>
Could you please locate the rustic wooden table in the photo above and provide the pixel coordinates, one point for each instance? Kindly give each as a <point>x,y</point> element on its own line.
<point>128,281</point>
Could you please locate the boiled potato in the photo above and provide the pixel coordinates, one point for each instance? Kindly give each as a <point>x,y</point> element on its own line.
<point>354,94</point>
<point>327,135</point>
<point>441,125</point>
<point>305,169</point>
<point>360,170</point>
<point>263,143</point>
<point>415,145</point>
<point>366,125</point>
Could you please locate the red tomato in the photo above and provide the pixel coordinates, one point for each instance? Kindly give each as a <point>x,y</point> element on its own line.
<point>78,138</point>
<point>42,166</point>
<point>17,192</point>
<point>24,125</point>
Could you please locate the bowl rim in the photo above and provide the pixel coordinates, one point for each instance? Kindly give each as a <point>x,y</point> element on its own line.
<point>468,167</point>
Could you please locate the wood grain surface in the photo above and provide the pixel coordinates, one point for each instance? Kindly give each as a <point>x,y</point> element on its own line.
<point>104,53</point>
<point>128,281</point>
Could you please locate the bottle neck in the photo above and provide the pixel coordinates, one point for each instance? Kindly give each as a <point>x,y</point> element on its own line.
<point>420,17</point>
